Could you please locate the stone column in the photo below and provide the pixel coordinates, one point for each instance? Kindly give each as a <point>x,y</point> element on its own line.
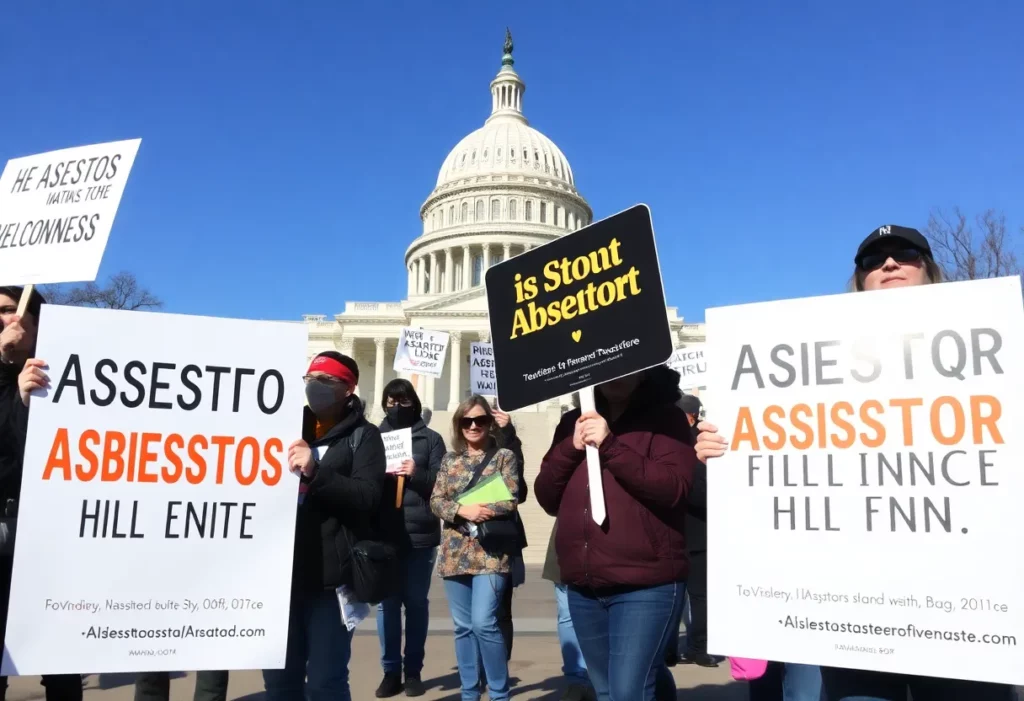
<point>428,392</point>
<point>347,346</point>
<point>487,260</point>
<point>378,376</point>
<point>455,371</point>
<point>420,275</point>
<point>411,281</point>
<point>485,336</point>
<point>467,268</point>
<point>435,279</point>
<point>449,271</point>
<point>506,250</point>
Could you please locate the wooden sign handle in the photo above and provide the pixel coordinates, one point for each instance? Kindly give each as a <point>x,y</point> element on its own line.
<point>399,492</point>
<point>26,295</point>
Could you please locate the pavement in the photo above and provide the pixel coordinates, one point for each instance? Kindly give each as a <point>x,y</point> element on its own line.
<point>535,669</point>
<point>536,666</point>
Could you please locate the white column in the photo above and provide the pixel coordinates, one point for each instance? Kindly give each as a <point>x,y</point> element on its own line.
<point>435,279</point>
<point>485,336</point>
<point>421,272</point>
<point>507,251</point>
<point>487,258</point>
<point>410,288</point>
<point>455,371</point>
<point>467,268</point>
<point>428,392</point>
<point>378,375</point>
<point>449,271</point>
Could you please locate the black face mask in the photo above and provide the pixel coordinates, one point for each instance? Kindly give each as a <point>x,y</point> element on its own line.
<point>402,416</point>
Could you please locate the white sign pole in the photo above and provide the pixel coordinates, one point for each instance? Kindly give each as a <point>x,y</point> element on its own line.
<point>597,508</point>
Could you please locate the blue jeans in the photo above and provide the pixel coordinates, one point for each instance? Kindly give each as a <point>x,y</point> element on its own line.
<point>319,648</point>
<point>417,571</point>
<point>574,667</point>
<point>473,600</point>
<point>623,638</point>
<point>783,681</point>
<point>862,685</point>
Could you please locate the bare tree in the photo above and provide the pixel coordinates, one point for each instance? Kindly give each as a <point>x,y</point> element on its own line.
<point>122,291</point>
<point>969,251</point>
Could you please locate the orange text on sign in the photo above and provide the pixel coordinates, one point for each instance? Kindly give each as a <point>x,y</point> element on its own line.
<point>114,456</point>
<point>842,425</point>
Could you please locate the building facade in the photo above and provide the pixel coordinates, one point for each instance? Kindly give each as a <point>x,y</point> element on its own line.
<point>504,189</point>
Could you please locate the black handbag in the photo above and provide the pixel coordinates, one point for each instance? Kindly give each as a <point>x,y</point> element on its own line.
<point>502,535</point>
<point>375,567</point>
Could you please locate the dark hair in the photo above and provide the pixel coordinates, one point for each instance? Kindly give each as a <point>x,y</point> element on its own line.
<point>400,390</point>
<point>344,360</point>
<point>458,440</point>
<point>931,269</point>
<point>35,300</point>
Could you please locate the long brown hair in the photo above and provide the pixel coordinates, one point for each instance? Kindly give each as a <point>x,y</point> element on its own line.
<point>458,440</point>
<point>931,269</point>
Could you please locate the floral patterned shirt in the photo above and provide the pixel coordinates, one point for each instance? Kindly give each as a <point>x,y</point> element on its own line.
<point>460,553</point>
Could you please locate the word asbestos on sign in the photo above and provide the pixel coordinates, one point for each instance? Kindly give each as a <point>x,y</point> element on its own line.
<point>482,373</point>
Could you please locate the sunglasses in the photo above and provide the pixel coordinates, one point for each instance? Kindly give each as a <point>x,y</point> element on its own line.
<point>467,422</point>
<point>877,259</point>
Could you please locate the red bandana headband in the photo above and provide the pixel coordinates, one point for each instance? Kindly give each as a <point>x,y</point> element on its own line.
<point>330,366</point>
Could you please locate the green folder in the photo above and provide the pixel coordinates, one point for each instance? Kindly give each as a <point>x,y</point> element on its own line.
<point>489,490</point>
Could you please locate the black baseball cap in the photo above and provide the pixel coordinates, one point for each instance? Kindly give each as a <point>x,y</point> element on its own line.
<point>910,236</point>
<point>689,404</point>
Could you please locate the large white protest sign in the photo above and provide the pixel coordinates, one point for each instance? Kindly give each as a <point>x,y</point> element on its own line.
<point>397,448</point>
<point>482,377</point>
<point>691,364</point>
<point>56,210</point>
<point>157,511</point>
<point>869,503</point>
<point>421,352</point>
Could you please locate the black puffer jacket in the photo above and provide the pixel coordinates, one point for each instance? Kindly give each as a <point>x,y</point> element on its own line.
<point>13,427</point>
<point>346,494</point>
<point>422,528</point>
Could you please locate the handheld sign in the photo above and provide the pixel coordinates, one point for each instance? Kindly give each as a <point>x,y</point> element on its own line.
<point>397,448</point>
<point>587,308</point>
<point>56,211</point>
<point>691,364</point>
<point>156,472</point>
<point>421,351</point>
<point>482,379</point>
<point>880,428</point>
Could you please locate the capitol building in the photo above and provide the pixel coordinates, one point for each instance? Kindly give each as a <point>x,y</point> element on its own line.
<point>504,189</point>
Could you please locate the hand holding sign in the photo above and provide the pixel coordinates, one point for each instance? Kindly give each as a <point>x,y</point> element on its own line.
<point>587,408</point>
<point>300,458</point>
<point>709,443</point>
<point>32,378</point>
<point>13,334</point>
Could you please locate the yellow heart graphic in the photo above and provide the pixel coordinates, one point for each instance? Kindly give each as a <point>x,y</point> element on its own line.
<point>576,336</point>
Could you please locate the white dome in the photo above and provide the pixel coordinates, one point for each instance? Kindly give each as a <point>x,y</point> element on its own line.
<point>506,146</point>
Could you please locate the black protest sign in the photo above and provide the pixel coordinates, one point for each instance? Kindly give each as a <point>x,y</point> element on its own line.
<point>584,309</point>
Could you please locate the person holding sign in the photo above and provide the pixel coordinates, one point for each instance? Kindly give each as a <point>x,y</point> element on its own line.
<point>20,375</point>
<point>341,468</point>
<point>476,496</point>
<point>626,578</point>
<point>422,535</point>
<point>890,257</point>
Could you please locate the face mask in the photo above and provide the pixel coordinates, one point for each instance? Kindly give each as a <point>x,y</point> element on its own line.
<point>321,398</point>
<point>401,416</point>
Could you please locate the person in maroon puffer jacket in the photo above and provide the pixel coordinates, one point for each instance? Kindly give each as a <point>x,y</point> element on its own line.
<point>627,576</point>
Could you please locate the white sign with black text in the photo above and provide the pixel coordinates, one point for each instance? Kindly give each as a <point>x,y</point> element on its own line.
<point>691,364</point>
<point>482,377</point>
<point>421,352</point>
<point>56,211</point>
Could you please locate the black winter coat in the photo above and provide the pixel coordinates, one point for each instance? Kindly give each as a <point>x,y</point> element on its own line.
<point>510,439</point>
<point>13,428</point>
<point>345,501</point>
<point>422,528</point>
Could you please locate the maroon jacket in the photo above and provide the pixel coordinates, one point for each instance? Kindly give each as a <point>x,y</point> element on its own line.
<point>648,465</point>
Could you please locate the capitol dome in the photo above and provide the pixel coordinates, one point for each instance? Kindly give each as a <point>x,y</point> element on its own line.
<point>503,189</point>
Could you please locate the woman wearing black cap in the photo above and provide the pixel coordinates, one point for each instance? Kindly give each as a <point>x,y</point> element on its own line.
<point>891,256</point>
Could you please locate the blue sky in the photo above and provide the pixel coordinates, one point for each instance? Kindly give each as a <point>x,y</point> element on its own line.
<point>287,147</point>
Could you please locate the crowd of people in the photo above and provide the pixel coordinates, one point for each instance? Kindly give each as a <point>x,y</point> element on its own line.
<point>621,587</point>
